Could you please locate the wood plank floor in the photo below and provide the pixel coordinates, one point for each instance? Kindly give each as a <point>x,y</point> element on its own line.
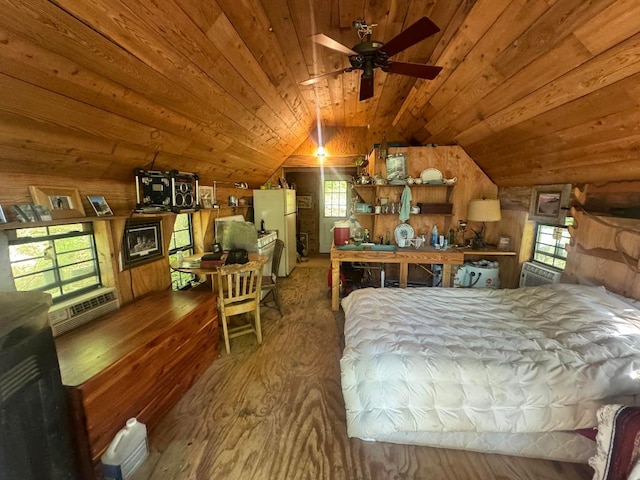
<point>275,411</point>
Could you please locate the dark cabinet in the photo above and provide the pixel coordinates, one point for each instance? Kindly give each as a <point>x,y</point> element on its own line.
<point>34,433</point>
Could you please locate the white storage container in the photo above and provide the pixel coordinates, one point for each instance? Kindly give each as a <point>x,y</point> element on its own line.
<point>480,274</point>
<point>127,451</point>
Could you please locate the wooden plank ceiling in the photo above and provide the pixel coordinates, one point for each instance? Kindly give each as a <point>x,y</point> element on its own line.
<point>536,91</point>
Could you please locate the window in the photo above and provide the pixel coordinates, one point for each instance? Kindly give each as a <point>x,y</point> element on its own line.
<point>335,198</point>
<point>181,241</point>
<point>551,241</point>
<point>60,260</point>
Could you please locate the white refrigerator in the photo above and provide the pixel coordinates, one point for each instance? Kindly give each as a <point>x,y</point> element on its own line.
<point>278,210</point>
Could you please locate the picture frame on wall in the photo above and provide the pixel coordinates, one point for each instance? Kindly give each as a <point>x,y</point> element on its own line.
<point>550,203</point>
<point>100,205</point>
<point>141,241</point>
<point>25,213</point>
<point>304,201</point>
<point>42,212</point>
<point>396,169</point>
<point>206,196</point>
<point>63,202</point>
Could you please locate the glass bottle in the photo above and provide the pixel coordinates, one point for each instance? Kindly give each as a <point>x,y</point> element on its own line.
<point>366,238</point>
<point>387,237</point>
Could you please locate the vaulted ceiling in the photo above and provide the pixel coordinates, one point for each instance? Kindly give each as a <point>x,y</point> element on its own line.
<point>536,91</point>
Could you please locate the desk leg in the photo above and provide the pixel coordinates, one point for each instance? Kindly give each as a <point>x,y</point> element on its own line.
<point>335,285</point>
<point>446,275</point>
<point>404,273</point>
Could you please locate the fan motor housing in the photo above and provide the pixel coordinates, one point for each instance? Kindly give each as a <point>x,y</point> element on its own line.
<point>368,51</point>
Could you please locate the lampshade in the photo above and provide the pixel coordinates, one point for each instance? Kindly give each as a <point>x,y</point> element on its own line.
<point>484,210</point>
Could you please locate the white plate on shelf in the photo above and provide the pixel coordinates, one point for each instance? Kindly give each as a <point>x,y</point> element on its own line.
<point>404,230</point>
<point>431,175</point>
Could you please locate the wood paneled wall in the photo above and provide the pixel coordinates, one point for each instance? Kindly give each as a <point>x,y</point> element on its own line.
<point>121,197</point>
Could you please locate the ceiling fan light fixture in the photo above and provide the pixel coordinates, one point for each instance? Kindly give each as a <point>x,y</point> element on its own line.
<point>371,54</point>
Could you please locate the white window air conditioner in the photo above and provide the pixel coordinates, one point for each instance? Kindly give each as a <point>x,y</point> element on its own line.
<point>67,315</point>
<point>535,274</point>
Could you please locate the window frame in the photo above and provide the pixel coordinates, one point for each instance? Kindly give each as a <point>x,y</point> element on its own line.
<point>558,245</point>
<point>181,280</point>
<point>340,193</point>
<point>87,231</point>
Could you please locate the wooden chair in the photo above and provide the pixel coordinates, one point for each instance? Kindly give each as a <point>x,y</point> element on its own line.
<point>270,283</point>
<point>239,291</point>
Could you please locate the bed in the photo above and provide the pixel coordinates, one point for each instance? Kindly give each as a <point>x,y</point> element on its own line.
<point>505,371</point>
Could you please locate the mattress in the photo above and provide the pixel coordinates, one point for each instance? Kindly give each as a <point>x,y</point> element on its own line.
<point>523,361</point>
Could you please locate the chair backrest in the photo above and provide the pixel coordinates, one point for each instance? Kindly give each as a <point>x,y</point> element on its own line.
<point>240,283</point>
<point>277,255</point>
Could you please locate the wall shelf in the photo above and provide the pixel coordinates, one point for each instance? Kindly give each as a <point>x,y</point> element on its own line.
<point>381,223</point>
<point>106,218</point>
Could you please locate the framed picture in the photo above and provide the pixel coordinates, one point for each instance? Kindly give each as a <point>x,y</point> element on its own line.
<point>206,196</point>
<point>61,201</point>
<point>42,212</point>
<point>396,168</point>
<point>549,203</point>
<point>304,201</point>
<point>504,244</point>
<point>25,213</point>
<point>3,218</point>
<point>100,205</point>
<point>142,241</point>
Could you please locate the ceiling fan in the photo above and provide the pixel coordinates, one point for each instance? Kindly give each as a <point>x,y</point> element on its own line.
<point>371,54</point>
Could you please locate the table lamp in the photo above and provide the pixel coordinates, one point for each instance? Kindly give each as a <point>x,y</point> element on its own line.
<point>483,210</point>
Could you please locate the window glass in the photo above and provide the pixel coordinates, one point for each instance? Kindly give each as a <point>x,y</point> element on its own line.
<point>181,241</point>
<point>335,198</point>
<point>550,246</point>
<point>60,260</point>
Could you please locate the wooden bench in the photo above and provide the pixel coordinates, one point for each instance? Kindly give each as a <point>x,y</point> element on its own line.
<point>135,362</point>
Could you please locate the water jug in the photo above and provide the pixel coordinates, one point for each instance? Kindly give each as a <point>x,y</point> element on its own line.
<point>127,451</point>
<point>341,232</point>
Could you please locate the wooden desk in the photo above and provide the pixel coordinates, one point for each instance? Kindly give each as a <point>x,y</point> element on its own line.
<point>402,256</point>
<point>488,253</point>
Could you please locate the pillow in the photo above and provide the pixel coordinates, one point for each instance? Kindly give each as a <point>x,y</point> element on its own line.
<point>618,443</point>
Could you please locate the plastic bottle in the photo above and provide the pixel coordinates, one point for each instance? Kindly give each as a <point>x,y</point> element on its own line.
<point>433,241</point>
<point>127,451</point>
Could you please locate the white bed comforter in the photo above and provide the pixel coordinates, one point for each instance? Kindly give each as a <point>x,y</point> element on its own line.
<point>525,360</point>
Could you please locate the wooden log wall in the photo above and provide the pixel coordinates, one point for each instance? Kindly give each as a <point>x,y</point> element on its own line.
<point>605,250</point>
<point>121,197</point>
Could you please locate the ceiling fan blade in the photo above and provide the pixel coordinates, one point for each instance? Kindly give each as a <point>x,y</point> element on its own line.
<point>366,87</point>
<point>428,72</point>
<point>313,80</point>
<point>420,30</point>
<point>329,42</point>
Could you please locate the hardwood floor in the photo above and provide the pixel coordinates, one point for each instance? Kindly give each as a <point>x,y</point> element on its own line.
<point>275,411</point>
